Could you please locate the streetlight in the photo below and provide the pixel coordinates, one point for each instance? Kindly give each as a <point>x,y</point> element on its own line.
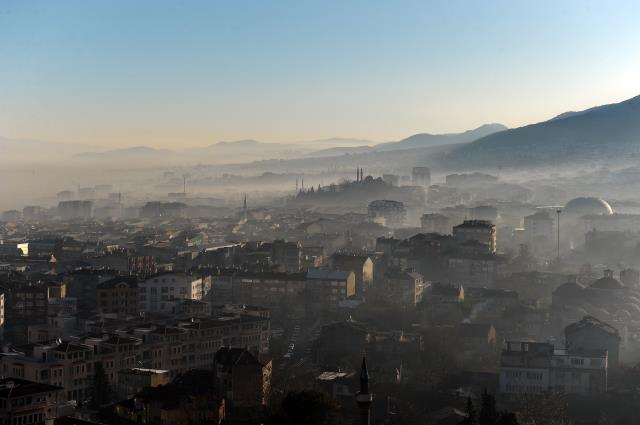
<point>558,211</point>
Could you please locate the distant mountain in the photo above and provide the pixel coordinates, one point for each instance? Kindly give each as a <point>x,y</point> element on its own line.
<point>136,152</point>
<point>346,150</point>
<point>599,133</point>
<point>339,142</point>
<point>423,140</point>
<point>38,150</point>
<point>247,150</point>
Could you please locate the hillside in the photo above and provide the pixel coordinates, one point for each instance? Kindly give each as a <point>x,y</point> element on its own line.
<point>423,140</point>
<point>600,133</point>
<point>416,141</point>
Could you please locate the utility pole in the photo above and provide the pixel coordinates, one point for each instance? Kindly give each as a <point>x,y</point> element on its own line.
<point>558,211</point>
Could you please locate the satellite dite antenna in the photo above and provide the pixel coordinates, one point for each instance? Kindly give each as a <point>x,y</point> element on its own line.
<point>558,209</point>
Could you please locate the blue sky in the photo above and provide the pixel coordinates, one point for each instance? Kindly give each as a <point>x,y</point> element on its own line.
<point>188,73</point>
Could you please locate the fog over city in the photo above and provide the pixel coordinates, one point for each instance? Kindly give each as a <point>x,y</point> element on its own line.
<point>336,213</point>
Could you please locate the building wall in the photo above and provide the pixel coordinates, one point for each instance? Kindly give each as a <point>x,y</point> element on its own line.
<point>155,292</point>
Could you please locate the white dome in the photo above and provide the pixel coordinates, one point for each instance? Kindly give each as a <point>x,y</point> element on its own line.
<point>579,207</point>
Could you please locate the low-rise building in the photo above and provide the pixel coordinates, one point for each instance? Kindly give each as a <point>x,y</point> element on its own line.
<point>361,265</point>
<point>591,334</point>
<point>537,368</point>
<point>327,288</point>
<point>27,402</point>
<point>133,381</point>
<point>157,293</point>
<point>118,296</point>
<point>482,231</point>
<point>245,379</point>
<point>403,288</point>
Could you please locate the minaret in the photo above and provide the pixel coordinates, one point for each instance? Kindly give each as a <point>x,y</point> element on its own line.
<point>244,208</point>
<point>363,397</point>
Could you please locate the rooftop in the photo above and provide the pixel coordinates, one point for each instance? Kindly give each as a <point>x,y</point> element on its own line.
<point>13,387</point>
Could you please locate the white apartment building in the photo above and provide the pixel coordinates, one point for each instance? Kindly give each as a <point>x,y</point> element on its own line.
<point>159,293</point>
<point>539,368</point>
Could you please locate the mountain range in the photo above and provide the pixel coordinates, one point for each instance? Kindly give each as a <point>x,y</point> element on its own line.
<point>606,132</point>
<point>420,140</point>
<point>243,151</point>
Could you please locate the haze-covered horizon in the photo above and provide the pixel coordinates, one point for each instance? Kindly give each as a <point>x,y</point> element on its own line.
<point>121,74</point>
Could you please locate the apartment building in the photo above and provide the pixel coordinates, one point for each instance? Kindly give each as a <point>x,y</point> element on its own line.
<point>159,293</point>
<point>27,402</point>
<point>538,368</point>
<point>118,296</point>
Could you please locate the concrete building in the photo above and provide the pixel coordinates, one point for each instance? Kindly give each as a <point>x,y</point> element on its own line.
<point>269,289</point>
<point>484,212</point>
<point>403,288</point>
<point>27,402</point>
<point>69,210</point>
<point>244,379</point>
<point>132,381</point>
<point>190,398</point>
<point>387,213</point>
<point>327,288</point>
<point>163,210</point>
<point>11,216</point>
<point>536,368</point>
<point>361,265</point>
<point>391,179</point>
<point>444,302</point>
<point>539,227</point>
<point>435,223</point>
<point>287,255</point>
<point>421,176</point>
<point>591,334</point>
<point>118,296</point>
<point>630,278</point>
<point>477,230</point>
<point>62,364</point>
<point>158,293</point>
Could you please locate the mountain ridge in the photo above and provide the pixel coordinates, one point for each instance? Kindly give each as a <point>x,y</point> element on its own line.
<point>600,132</point>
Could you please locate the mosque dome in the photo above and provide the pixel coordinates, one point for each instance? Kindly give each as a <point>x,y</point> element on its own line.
<point>607,282</point>
<point>579,207</point>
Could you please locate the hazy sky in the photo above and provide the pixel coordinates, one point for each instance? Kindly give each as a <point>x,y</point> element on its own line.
<point>169,73</point>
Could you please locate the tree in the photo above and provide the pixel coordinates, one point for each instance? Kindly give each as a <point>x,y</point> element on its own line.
<point>471,414</point>
<point>488,413</point>
<point>101,392</point>
<point>307,407</point>
<point>508,418</point>
<point>538,410</point>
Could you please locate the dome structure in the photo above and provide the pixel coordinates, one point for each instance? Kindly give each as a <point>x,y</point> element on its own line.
<point>568,289</point>
<point>582,206</point>
<point>608,282</point>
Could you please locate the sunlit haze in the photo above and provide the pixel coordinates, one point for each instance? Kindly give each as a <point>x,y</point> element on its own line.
<point>184,74</point>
